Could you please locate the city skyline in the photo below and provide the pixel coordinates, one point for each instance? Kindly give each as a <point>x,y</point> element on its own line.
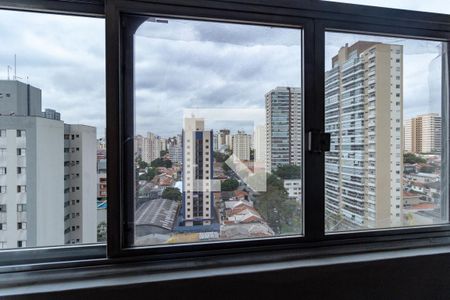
<point>253,55</point>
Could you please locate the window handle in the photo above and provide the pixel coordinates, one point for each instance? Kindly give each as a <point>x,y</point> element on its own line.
<point>318,141</point>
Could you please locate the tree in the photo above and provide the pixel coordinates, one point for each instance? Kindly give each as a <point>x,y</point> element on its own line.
<point>288,172</point>
<point>252,154</point>
<point>159,162</point>
<point>411,158</point>
<point>163,152</point>
<point>148,175</point>
<point>101,232</point>
<point>281,213</point>
<point>172,193</point>
<point>229,185</point>
<point>141,164</point>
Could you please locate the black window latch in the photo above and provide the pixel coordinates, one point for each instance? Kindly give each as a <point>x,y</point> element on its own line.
<point>318,141</point>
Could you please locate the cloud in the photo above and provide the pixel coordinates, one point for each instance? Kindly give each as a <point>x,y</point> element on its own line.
<point>64,56</point>
<point>209,65</point>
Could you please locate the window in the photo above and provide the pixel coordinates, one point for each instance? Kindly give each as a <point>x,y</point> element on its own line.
<point>60,61</point>
<point>196,65</point>
<point>2,226</point>
<point>20,151</point>
<point>355,181</point>
<point>237,77</point>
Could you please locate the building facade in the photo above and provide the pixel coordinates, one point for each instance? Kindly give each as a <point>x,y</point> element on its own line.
<point>31,170</point>
<point>422,134</point>
<point>80,184</point>
<point>198,202</point>
<point>363,114</point>
<point>241,145</point>
<point>283,127</point>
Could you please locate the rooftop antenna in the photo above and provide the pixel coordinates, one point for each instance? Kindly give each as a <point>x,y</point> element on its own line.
<point>15,67</point>
<point>9,68</point>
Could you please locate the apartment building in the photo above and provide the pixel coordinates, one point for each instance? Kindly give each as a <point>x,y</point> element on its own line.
<point>260,143</point>
<point>80,184</point>
<point>198,202</point>
<point>241,145</point>
<point>283,127</point>
<point>151,147</point>
<point>422,134</point>
<point>363,114</point>
<point>31,170</point>
<point>175,149</point>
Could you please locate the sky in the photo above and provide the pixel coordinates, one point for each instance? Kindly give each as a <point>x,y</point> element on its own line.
<point>184,65</point>
<point>64,56</point>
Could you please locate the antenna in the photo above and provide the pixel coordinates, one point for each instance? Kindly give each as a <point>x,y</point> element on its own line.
<point>15,67</point>
<point>9,68</point>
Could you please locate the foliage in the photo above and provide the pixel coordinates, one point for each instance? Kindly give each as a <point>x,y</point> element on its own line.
<point>141,164</point>
<point>280,212</point>
<point>172,193</point>
<point>252,154</point>
<point>288,172</point>
<point>229,185</point>
<point>159,162</point>
<point>101,232</point>
<point>411,158</point>
<point>148,175</point>
<point>163,152</point>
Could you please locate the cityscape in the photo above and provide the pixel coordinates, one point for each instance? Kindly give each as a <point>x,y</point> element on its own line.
<point>382,170</point>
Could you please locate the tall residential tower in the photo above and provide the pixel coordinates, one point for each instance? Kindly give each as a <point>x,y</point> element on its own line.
<point>283,127</point>
<point>363,114</point>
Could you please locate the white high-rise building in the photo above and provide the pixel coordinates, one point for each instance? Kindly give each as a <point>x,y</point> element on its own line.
<point>283,127</point>
<point>363,114</point>
<point>260,143</point>
<point>31,170</point>
<point>80,184</point>
<point>198,202</point>
<point>423,134</point>
<point>151,148</point>
<point>241,145</point>
<point>176,149</point>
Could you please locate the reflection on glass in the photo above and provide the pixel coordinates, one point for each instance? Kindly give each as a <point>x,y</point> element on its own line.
<point>52,106</point>
<point>218,132</point>
<point>383,110</point>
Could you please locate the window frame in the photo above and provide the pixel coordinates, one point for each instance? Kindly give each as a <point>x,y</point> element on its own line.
<point>316,17</point>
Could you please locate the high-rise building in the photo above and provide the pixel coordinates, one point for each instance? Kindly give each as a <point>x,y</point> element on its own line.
<point>176,149</point>
<point>151,148</point>
<point>363,114</point>
<point>224,138</point>
<point>80,184</point>
<point>198,203</point>
<point>241,145</point>
<point>283,127</point>
<point>31,170</point>
<point>422,134</point>
<point>260,143</point>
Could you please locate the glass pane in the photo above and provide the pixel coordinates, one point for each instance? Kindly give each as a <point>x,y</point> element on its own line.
<point>52,110</point>
<point>383,109</point>
<point>218,131</point>
<point>435,6</point>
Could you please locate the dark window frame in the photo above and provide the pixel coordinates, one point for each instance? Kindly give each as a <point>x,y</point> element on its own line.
<point>315,17</point>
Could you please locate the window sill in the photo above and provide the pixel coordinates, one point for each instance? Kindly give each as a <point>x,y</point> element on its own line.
<point>123,274</point>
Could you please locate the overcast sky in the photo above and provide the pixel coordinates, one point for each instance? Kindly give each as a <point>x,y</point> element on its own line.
<point>64,56</point>
<point>183,65</point>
